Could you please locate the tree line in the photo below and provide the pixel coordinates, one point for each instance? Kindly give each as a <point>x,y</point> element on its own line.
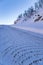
<point>30,11</point>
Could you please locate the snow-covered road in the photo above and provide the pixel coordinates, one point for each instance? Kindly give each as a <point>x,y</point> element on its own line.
<point>20,47</point>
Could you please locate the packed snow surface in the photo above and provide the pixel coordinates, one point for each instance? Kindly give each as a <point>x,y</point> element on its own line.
<point>20,47</point>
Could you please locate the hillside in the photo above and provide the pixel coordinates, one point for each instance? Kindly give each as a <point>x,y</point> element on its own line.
<point>20,47</point>
<point>37,17</point>
<point>32,14</point>
<point>35,23</point>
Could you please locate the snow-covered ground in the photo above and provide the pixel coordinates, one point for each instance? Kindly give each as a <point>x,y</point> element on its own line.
<point>32,29</point>
<point>20,47</point>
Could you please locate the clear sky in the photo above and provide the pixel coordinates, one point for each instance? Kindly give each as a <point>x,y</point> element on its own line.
<point>10,9</point>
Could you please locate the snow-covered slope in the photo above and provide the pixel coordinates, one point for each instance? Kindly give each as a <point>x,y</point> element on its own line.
<point>20,47</point>
<point>35,22</point>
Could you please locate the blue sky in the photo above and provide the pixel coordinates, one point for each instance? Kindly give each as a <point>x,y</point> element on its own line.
<point>10,9</point>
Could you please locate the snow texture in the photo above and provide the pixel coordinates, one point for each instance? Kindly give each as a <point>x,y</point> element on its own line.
<point>20,47</point>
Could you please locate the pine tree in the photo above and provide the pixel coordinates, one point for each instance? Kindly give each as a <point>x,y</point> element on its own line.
<point>40,3</point>
<point>20,16</point>
<point>25,14</point>
<point>36,6</point>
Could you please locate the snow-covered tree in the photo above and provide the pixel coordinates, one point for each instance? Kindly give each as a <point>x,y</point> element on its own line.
<point>30,12</point>
<point>25,14</point>
<point>20,16</point>
<point>36,6</point>
<point>40,3</point>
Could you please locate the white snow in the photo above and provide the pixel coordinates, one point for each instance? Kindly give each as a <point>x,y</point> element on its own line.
<point>22,44</point>
<point>36,30</point>
<point>20,47</point>
<point>30,25</point>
